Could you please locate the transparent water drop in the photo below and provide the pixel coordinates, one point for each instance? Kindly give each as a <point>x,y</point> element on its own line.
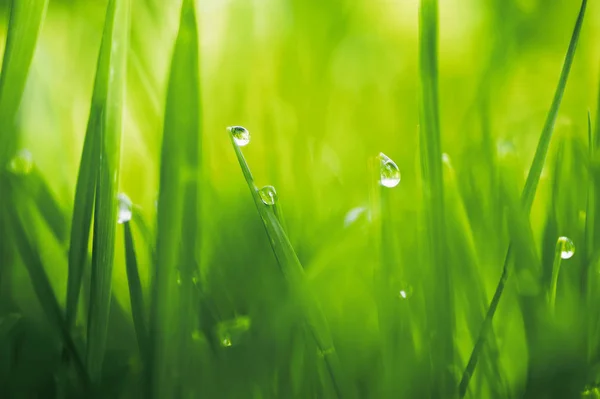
<point>446,158</point>
<point>405,291</point>
<point>124,211</point>
<point>22,163</point>
<point>240,134</point>
<point>226,341</point>
<point>389,173</point>
<point>355,214</point>
<point>268,195</point>
<point>567,248</point>
<point>178,277</point>
<point>231,332</point>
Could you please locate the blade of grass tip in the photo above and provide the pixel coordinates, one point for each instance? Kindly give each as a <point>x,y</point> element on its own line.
<point>433,190</point>
<point>178,235</point>
<point>527,196</point>
<point>135,292</point>
<point>85,189</point>
<point>294,274</point>
<point>26,17</point>
<point>105,213</point>
<point>589,207</point>
<point>28,251</point>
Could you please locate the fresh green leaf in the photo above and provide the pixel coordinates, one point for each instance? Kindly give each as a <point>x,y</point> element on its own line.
<point>114,49</point>
<point>26,17</point>
<point>173,313</point>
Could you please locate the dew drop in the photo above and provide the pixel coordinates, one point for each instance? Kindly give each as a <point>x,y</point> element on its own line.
<point>446,158</point>
<point>268,195</point>
<point>178,277</point>
<point>355,214</point>
<point>240,134</point>
<point>124,208</point>
<point>22,163</point>
<point>567,248</point>
<point>389,173</point>
<point>405,291</point>
<point>231,332</point>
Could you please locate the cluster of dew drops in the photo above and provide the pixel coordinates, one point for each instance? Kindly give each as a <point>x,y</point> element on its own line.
<point>241,137</point>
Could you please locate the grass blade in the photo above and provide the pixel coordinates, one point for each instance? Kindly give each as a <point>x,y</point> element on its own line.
<point>138,311</point>
<point>294,274</point>
<point>82,210</point>
<point>26,17</point>
<point>115,43</point>
<point>527,196</point>
<point>433,190</point>
<point>29,253</point>
<point>34,186</point>
<point>178,217</point>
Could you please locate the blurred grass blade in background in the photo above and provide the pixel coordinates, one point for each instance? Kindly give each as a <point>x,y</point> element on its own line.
<point>25,22</point>
<point>115,44</point>
<point>29,251</point>
<point>293,271</point>
<point>173,309</point>
<point>440,305</point>
<point>34,186</point>
<point>528,194</point>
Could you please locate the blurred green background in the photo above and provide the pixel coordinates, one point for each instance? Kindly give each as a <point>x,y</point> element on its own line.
<point>323,86</point>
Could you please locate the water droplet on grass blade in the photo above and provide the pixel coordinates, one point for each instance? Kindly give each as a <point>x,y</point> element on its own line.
<point>405,291</point>
<point>446,158</point>
<point>124,208</point>
<point>268,195</point>
<point>22,163</point>
<point>240,134</point>
<point>231,332</point>
<point>567,248</point>
<point>355,214</point>
<point>389,173</point>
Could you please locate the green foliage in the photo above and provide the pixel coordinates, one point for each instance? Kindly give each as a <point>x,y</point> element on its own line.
<point>362,290</point>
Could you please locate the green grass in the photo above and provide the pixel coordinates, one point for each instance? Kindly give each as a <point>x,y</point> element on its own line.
<point>361,288</point>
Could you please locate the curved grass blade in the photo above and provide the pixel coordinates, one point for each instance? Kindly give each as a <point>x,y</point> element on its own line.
<point>26,17</point>
<point>178,236</point>
<point>433,192</point>
<point>294,274</point>
<point>527,196</point>
<point>34,186</point>
<point>28,251</point>
<point>135,292</point>
<point>115,44</point>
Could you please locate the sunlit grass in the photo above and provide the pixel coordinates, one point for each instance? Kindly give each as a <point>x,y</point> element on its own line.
<point>404,147</point>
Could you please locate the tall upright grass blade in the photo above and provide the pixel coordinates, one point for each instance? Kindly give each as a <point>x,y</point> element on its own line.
<point>138,310</point>
<point>527,195</point>
<point>293,272</point>
<point>433,189</point>
<point>178,217</point>
<point>115,43</point>
<point>26,17</point>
